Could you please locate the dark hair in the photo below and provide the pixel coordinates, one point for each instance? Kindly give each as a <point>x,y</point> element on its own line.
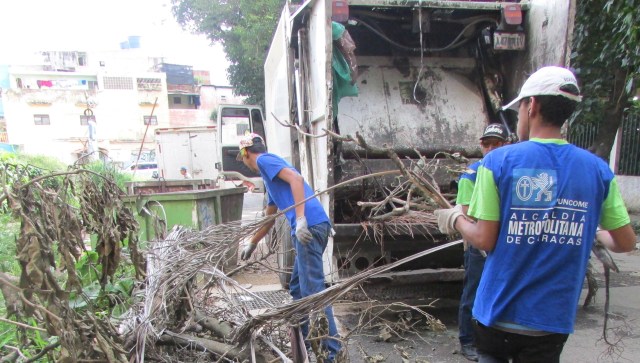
<point>556,109</point>
<point>257,148</point>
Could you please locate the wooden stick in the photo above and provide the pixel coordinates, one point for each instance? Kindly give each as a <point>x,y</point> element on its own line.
<point>22,325</point>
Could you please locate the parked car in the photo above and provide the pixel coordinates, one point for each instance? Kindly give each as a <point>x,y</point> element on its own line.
<point>144,170</point>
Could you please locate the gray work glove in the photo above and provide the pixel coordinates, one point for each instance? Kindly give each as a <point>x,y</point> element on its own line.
<point>247,251</point>
<point>302,230</point>
<point>447,218</point>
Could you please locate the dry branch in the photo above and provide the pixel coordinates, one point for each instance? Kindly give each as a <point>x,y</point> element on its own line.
<point>220,349</point>
<point>221,329</point>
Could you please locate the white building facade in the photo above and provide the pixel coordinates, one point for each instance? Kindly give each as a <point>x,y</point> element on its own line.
<point>74,103</point>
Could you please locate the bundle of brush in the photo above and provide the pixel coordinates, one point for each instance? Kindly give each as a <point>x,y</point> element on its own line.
<point>413,197</point>
<point>299,309</point>
<point>174,290</point>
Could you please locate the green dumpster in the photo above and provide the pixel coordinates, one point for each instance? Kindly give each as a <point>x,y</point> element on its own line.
<point>196,209</point>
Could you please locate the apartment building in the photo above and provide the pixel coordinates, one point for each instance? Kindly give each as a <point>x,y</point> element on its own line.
<point>73,106</point>
<point>192,99</point>
<point>77,105</point>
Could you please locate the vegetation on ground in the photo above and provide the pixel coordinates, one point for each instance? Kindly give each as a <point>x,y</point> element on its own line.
<point>63,234</point>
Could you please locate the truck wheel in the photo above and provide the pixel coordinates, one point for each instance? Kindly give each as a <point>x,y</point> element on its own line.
<point>281,234</point>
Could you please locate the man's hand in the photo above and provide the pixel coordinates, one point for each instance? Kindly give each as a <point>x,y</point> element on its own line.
<point>302,230</point>
<point>247,251</point>
<point>249,185</point>
<point>447,218</point>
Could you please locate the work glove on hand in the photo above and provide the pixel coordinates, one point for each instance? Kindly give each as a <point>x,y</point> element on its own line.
<point>302,230</point>
<point>447,218</point>
<point>247,251</point>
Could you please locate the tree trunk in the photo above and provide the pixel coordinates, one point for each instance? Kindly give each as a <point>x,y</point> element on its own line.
<point>614,111</point>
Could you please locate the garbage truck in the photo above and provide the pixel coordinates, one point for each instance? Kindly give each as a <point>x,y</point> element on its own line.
<point>420,77</point>
<point>209,151</point>
<point>194,148</point>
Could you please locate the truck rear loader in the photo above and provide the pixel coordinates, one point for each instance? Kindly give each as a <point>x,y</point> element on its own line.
<point>424,77</point>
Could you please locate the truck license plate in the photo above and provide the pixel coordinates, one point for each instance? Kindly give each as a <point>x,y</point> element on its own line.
<point>508,41</point>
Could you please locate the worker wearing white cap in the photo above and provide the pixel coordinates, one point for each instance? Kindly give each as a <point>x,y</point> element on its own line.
<point>310,229</point>
<point>537,205</point>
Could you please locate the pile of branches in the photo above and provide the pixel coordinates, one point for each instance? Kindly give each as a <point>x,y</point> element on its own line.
<point>409,202</point>
<point>187,291</point>
<point>189,301</point>
<point>186,298</point>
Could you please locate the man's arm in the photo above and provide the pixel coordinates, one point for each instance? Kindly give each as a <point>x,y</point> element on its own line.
<point>270,210</point>
<point>482,234</point>
<point>615,220</point>
<point>619,240</point>
<point>296,181</point>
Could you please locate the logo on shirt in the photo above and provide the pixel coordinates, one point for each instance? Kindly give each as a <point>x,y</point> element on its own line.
<point>534,187</point>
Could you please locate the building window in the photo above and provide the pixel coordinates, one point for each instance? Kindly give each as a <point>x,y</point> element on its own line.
<point>84,120</point>
<point>177,100</point>
<point>118,83</point>
<point>194,100</point>
<point>149,84</point>
<point>150,120</point>
<point>82,59</point>
<point>41,120</point>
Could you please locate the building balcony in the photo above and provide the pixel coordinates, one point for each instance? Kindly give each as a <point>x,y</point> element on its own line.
<point>45,97</point>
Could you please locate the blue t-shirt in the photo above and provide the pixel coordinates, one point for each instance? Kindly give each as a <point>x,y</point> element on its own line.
<point>279,191</point>
<point>549,196</point>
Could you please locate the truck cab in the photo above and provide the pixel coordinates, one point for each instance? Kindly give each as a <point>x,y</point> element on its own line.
<point>233,122</point>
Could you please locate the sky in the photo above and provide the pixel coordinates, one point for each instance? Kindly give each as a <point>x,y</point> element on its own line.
<point>84,25</point>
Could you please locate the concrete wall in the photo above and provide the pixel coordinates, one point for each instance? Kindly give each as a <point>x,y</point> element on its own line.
<point>211,96</point>
<point>630,189</point>
<point>199,117</point>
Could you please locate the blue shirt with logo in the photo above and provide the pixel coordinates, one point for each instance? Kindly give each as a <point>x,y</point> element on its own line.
<point>279,191</point>
<point>549,196</point>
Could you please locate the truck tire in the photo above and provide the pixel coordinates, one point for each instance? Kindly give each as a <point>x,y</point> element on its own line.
<point>281,234</point>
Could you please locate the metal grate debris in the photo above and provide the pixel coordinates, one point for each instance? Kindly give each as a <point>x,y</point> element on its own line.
<point>262,299</point>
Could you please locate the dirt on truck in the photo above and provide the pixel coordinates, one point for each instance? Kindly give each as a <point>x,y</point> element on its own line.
<point>422,78</point>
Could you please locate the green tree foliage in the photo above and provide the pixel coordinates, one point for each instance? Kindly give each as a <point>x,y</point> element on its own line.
<point>244,28</point>
<point>607,59</point>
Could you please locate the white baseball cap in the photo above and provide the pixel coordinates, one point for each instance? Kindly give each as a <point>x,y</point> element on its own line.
<point>547,81</point>
<point>247,141</point>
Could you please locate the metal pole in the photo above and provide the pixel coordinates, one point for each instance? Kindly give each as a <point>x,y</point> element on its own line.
<point>144,137</point>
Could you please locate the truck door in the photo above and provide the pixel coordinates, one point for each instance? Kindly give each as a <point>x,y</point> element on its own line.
<point>234,123</point>
<point>173,152</point>
<point>204,150</point>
